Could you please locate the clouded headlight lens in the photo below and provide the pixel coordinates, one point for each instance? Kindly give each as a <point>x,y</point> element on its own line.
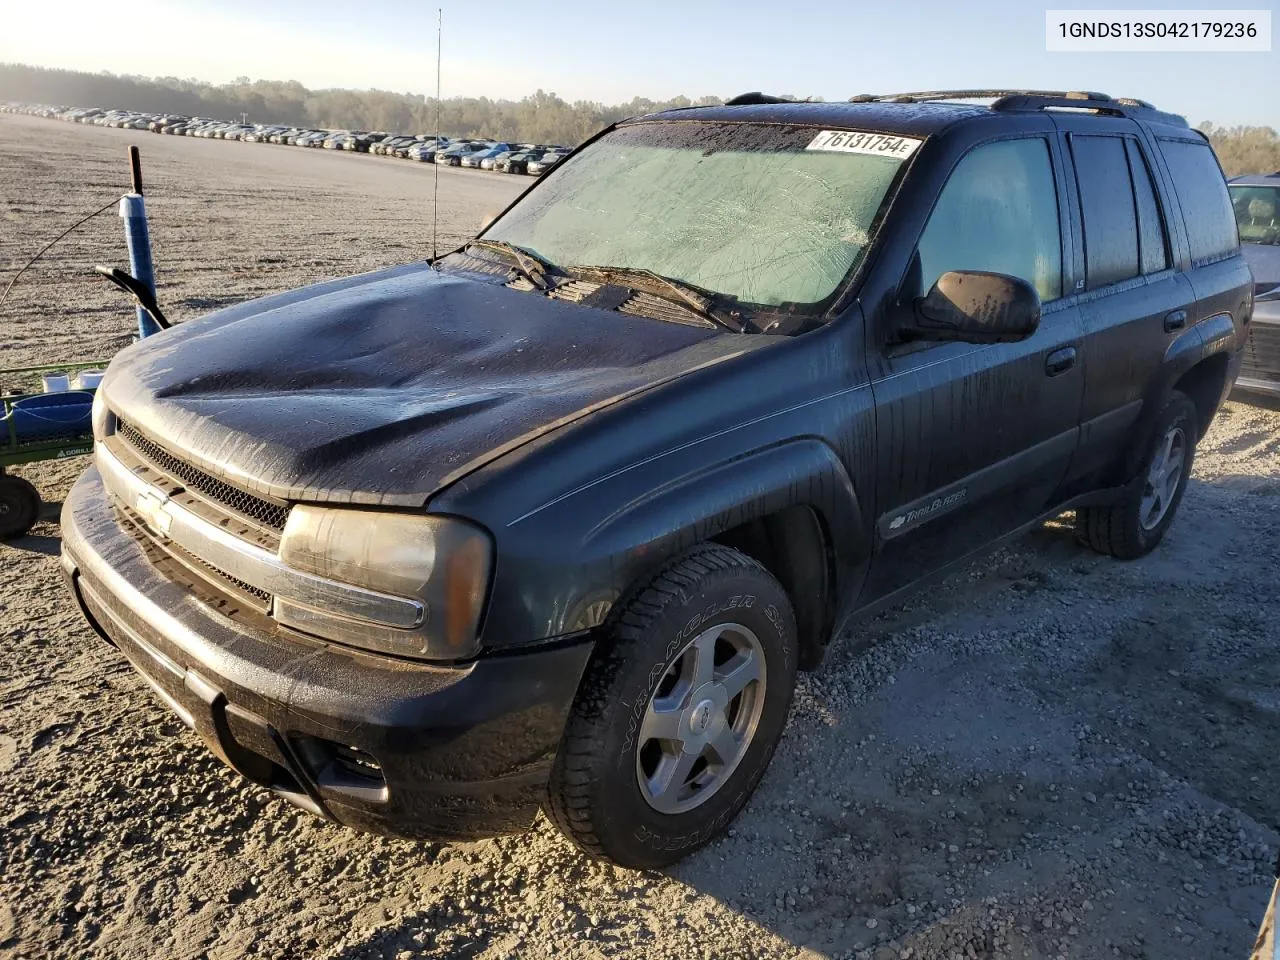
<point>440,561</point>
<point>99,415</point>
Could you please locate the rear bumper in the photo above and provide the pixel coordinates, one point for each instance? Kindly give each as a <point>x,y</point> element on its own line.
<point>385,745</point>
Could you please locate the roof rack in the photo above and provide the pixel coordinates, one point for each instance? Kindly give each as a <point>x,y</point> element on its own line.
<point>1011,101</point>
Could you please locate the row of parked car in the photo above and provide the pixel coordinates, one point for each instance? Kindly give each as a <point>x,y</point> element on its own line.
<point>499,156</point>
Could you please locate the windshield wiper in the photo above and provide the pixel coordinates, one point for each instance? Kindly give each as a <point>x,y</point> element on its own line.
<point>702,304</point>
<point>529,266</point>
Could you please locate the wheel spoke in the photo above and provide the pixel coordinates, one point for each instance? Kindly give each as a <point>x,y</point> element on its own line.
<point>1167,448</point>
<point>661,721</point>
<point>704,654</point>
<point>1150,509</point>
<point>670,776</point>
<point>724,745</point>
<point>743,670</point>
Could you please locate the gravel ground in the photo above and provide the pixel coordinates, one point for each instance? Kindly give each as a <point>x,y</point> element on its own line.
<point>1051,754</point>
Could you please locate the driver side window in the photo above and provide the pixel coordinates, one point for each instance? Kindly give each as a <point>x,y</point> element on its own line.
<point>998,212</point>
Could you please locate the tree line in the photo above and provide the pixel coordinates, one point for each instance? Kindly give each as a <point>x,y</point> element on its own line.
<point>1244,149</point>
<point>540,117</point>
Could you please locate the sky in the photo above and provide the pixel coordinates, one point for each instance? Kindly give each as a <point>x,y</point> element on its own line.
<point>612,51</point>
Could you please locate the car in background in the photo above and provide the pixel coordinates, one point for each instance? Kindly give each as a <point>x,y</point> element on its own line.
<point>1256,202</point>
<point>425,152</point>
<point>402,150</point>
<point>519,162</point>
<point>312,138</point>
<point>549,159</point>
<point>488,162</point>
<point>361,142</point>
<point>478,157</point>
<point>452,156</point>
<point>387,147</point>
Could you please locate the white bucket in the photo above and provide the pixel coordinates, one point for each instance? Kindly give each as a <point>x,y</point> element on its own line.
<point>56,383</point>
<point>88,379</point>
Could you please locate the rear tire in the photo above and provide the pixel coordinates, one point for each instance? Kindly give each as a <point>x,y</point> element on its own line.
<point>1134,527</point>
<point>19,506</point>
<point>679,713</point>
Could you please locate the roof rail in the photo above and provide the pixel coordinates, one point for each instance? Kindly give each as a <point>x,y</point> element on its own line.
<point>1011,101</point>
<point>972,95</point>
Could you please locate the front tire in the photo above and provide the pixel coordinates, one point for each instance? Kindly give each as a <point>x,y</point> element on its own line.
<point>679,713</point>
<point>1136,525</point>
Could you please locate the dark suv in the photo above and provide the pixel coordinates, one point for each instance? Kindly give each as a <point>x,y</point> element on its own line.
<point>552,521</point>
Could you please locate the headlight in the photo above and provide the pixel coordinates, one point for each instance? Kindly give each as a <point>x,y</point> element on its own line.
<point>440,561</point>
<point>99,416</point>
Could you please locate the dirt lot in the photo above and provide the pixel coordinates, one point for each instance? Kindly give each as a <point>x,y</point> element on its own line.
<point>1050,755</point>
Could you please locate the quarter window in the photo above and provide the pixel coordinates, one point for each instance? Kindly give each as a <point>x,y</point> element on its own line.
<point>1153,244</point>
<point>1202,192</point>
<point>998,212</point>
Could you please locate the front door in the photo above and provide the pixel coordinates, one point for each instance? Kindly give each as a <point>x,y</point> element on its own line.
<point>975,440</point>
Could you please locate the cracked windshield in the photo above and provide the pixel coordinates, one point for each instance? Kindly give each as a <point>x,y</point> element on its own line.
<point>752,212</point>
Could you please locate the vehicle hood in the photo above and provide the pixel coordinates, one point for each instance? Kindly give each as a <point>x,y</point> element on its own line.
<point>387,387</point>
<point>1264,261</point>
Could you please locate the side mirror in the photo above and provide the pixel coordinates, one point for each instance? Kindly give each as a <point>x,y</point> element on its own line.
<point>976,307</point>
<point>487,219</point>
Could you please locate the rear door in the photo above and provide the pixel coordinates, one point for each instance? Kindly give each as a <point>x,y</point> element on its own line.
<point>1133,299</point>
<point>974,440</point>
<point>1217,270</point>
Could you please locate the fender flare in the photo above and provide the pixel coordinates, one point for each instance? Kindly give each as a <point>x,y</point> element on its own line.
<point>645,533</point>
<point>1207,338</point>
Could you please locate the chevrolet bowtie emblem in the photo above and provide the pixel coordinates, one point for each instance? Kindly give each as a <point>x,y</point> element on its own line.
<point>150,507</point>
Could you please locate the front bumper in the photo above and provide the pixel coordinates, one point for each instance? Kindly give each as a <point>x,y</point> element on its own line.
<point>1260,372</point>
<point>390,746</point>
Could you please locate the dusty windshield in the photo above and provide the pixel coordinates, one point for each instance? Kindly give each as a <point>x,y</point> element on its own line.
<point>1257,213</point>
<point>766,215</point>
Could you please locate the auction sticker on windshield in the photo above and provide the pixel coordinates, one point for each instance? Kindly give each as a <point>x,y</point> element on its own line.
<point>875,144</point>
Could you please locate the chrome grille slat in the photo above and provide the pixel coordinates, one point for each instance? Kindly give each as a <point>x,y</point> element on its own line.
<point>258,509</point>
<point>260,600</point>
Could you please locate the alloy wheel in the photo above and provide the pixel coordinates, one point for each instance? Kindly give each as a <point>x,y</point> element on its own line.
<point>1163,476</point>
<point>701,719</point>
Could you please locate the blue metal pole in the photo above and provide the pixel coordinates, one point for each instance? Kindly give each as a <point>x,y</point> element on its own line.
<point>134,213</point>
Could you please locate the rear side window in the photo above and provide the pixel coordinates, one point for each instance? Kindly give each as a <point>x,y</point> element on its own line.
<point>1153,242</point>
<point>1202,193</point>
<point>1107,207</point>
<point>998,212</point>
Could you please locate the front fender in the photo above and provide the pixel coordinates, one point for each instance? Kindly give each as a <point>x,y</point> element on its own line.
<point>572,585</point>
<point>704,504</point>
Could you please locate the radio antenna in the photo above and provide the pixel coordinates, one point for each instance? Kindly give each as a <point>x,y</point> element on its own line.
<point>435,192</point>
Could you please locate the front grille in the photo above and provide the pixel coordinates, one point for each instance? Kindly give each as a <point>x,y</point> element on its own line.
<point>268,513</point>
<point>1262,352</point>
<point>173,561</point>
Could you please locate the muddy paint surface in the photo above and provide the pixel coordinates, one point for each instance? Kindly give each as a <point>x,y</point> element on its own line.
<point>1051,754</point>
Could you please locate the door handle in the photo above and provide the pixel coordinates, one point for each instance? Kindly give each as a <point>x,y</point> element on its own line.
<point>1060,361</point>
<point>1175,321</point>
